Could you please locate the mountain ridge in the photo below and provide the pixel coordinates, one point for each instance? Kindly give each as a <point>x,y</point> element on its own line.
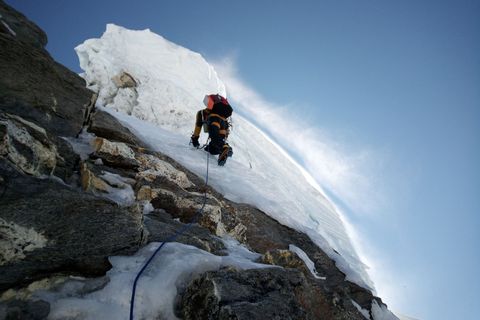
<point>61,189</point>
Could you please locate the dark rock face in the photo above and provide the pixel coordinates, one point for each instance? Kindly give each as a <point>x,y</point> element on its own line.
<point>54,228</point>
<point>33,85</point>
<point>259,294</point>
<point>161,226</point>
<point>25,310</point>
<point>104,125</point>
<point>47,226</point>
<point>24,29</point>
<point>280,237</point>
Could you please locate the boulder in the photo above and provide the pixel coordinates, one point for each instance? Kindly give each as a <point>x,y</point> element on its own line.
<point>272,293</point>
<point>32,150</point>
<point>116,154</point>
<point>59,229</point>
<point>90,182</point>
<point>286,259</point>
<point>124,80</point>
<point>102,124</point>
<point>161,227</point>
<point>152,167</point>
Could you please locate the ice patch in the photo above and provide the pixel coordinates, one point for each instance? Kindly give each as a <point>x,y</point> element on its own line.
<point>83,145</point>
<point>147,208</point>
<point>364,312</point>
<point>239,253</point>
<point>308,262</point>
<point>119,189</point>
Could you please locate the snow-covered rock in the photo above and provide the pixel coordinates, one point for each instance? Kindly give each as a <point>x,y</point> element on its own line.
<point>72,231</point>
<point>171,82</point>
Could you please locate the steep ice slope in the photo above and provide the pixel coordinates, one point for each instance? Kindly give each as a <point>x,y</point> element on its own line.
<point>171,83</point>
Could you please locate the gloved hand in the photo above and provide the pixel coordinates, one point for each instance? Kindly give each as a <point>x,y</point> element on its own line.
<point>194,141</point>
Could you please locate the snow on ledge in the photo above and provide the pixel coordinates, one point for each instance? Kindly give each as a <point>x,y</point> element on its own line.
<point>172,269</point>
<point>308,262</point>
<point>364,312</point>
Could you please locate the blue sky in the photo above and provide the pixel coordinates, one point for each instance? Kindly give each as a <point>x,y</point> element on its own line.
<point>392,87</point>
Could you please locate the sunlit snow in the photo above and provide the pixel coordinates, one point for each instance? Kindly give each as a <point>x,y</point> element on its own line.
<point>171,83</point>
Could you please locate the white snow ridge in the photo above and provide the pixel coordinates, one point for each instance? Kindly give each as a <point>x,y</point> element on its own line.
<point>171,82</point>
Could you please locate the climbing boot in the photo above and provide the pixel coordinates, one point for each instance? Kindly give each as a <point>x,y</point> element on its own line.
<point>227,152</point>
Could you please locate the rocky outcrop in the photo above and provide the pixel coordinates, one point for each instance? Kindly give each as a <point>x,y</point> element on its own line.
<point>48,225</point>
<point>27,146</point>
<point>17,25</point>
<point>105,125</point>
<point>161,226</point>
<point>67,204</point>
<point>32,84</point>
<point>260,294</point>
<point>124,80</point>
<point>54,228</point>
<point>115,153</point>
<point>33,150</point>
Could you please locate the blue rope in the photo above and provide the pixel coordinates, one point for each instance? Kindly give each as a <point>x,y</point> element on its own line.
<point>169,239</point>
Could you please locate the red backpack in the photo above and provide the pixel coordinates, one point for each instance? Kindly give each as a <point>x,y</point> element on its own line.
<point>218,105</point>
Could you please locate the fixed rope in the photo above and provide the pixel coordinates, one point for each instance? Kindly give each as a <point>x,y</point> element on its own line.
<point>170,239</point>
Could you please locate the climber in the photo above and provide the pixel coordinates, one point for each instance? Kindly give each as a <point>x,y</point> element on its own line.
<point>214,120</point>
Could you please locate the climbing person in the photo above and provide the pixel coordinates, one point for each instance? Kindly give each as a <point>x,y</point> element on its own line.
<point>214,120</point>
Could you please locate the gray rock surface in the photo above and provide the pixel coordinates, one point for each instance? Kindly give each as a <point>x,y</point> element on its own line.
<point>25,30</point>
<point>32,84</point>
<point>69,231</point>
<point>105,125</point>
<point>259,294</point>
<point>32,150</point>
<point>161,226</point>
<point>25,310</point>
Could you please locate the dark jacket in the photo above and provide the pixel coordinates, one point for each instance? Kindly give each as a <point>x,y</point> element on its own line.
<point>216,125</point>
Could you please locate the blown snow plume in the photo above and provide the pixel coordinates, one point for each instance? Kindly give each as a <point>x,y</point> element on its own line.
<point>165,87</point>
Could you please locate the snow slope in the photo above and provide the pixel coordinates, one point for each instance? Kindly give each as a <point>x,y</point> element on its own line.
<point>171,83</point>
